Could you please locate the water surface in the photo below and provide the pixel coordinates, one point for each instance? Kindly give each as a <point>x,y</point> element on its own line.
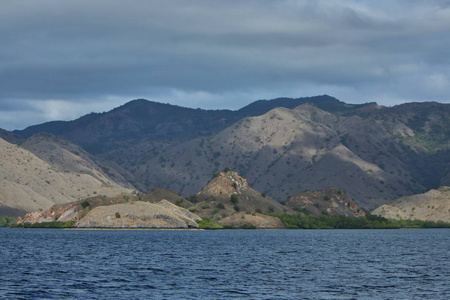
<point>249,264</point>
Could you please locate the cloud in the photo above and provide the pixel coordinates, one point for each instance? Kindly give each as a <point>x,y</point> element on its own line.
<point>217,54</point>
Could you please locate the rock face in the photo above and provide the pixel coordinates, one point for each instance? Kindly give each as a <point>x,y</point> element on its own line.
<point>259,221</point>
<point>330,201</point>
<point>27,183</point>
<point>139,215</point>
<point>433,205</point>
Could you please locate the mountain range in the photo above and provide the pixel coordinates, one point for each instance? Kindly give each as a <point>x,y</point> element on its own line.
<point>282,147</point>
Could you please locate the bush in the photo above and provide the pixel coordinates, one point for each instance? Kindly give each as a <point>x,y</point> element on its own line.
<point>208,224</point>
<point>117,215</point>
<point>220,206</point>
<point>7,221</point>
<point>234,199</point>
<point>248,226</point>
<point>85,204</point>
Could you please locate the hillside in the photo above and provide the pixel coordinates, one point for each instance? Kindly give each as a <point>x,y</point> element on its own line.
<point>28,183</point>
<point>433,205</point>
<point>64,155</point>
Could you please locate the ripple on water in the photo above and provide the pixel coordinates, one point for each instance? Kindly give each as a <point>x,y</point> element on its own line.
<point>289,264</point>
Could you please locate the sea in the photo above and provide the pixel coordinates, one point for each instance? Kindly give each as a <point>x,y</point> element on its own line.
<point>224,264</point>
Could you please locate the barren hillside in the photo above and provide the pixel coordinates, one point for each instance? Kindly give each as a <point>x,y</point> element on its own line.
<point>28,183</point>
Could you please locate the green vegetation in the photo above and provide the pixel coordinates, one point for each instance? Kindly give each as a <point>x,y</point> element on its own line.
<point>300,221</point>
<point>117,215</point>
<point>208,224</point>
<point>54,224</point>
<point>85,204</point>
<point>7,221</point>
<point>234,199</point>
<point>248,226</point>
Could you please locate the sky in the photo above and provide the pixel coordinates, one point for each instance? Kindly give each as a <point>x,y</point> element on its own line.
<point>60,59</point>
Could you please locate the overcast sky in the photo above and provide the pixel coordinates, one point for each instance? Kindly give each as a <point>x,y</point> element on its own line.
<point>62,59</point>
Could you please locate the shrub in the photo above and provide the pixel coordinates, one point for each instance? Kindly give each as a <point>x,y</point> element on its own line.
<point>208,224</point>
<point>117,215</point>
<point>236,208</point>
<point>220,206</point>
<point>85,204</point>
<point>205,206</point>
<point>234,185</point>
<point>248,226</point>
<point>234,199</point>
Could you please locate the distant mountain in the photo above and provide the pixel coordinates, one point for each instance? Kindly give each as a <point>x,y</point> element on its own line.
<point>282,146</point>
<point>28,183</point>
<point>433,205</point>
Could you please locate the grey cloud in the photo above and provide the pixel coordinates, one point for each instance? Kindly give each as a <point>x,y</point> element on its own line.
<point>84,51</point>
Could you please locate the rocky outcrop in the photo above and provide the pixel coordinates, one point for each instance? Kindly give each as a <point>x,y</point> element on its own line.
<point>139,215</point>
<point>243,220</point>
<point>433,205</point>
<point>330,201</point>
<point>232,190</point>
<point>72,211</point>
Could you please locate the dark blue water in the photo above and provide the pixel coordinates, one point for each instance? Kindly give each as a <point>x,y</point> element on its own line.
<point>253,264</point>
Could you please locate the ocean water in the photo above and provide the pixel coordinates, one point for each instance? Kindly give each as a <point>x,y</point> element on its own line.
<point>227,264</point>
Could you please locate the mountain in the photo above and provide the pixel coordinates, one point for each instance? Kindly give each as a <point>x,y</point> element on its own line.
<point>28,183</point>
<point>433,205</point>
<point>282,146</point>
<point>286,151</point>
<point>140,130</point>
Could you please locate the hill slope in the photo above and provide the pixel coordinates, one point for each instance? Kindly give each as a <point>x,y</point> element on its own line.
<point>433,205</point>
<point>28,183</point>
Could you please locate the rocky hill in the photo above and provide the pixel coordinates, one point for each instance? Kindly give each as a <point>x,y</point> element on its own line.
<point>139,215</point>
<point>232,190</point>
<point>330,201</point>
<point>27,183</point>
<point>433,205</point>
